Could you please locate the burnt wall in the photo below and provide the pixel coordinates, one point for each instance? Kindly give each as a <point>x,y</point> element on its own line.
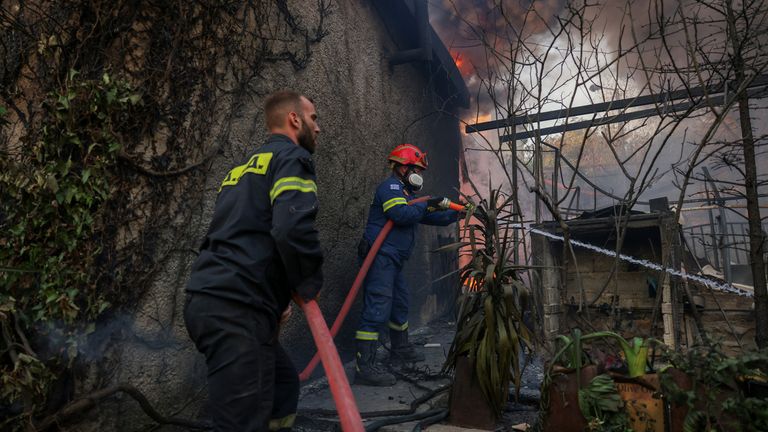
<point>365,107</point>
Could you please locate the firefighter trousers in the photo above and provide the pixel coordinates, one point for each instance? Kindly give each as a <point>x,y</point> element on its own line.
<point>386,298</point>
<point>252,383</point>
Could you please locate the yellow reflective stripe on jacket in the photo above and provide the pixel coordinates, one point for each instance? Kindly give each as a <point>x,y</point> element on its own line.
<point>257,164</point>
<point>291,183</point>
<point>282,423</point>
<point>400,327</point>
<point>394,202</point>
<point>364,335</point>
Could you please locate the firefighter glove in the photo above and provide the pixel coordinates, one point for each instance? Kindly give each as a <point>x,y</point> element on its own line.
<point>438,203</point>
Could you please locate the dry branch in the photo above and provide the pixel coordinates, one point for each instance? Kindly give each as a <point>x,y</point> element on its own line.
<point>86,403</point>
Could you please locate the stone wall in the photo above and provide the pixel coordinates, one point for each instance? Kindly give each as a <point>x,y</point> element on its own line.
<point>365,107</point>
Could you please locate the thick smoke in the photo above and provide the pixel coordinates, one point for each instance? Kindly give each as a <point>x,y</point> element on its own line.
<point>476,32</point>
<point>613,51</point>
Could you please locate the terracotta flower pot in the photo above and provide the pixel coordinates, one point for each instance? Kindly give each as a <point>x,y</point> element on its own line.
<point>563,413</point>
<point>642,398</point>
<point>468,406</point>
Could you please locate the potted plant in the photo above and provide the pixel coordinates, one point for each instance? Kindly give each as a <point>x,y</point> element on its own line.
<point>571,354</point>
<point>490,333</point>
<point>580,395</point>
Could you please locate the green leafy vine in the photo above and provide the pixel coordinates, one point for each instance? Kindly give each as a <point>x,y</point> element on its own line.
<point>93,174</point>
<point>53,213</point>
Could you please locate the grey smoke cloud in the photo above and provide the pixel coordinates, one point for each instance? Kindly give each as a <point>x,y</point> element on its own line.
<point>471,28</point>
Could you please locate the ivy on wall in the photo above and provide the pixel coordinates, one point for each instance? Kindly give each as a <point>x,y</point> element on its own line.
<point>107,109</point>
<point>54,252</point>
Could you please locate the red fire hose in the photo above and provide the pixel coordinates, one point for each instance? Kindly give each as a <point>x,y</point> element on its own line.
<point>356,287</point>
<point>346,406</point>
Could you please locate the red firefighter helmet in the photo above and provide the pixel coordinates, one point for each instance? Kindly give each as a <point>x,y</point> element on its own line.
<point>409,154</point>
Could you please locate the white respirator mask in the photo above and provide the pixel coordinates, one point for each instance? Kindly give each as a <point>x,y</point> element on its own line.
<point>416,181</point>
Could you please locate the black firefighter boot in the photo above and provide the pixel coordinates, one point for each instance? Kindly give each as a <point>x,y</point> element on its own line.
<point>366,371</point>
<point>402,350</point>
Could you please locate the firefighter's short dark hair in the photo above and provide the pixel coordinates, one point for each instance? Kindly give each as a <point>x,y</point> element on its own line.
<point>280,103</point>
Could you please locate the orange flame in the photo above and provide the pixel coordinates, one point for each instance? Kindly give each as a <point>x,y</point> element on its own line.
<point>458,60</point>
<point>464,66</point>
<point>472,285</point>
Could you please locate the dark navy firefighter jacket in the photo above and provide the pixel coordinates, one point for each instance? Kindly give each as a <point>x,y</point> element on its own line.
<point>262,243</point>
<point>391,202</point>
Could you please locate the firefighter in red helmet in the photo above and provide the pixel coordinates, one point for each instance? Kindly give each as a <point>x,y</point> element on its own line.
<point>386,295</point>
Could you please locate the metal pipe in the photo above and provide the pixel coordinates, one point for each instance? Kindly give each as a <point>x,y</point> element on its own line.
<point>709,200</point>
<point>712,231</point>
<point>722,222</point>
<point>573,197</point>
<point>714,206</point>
<point>555,177</point>
<point>622,117</point>
<point>596,122</point>
<point>594,195</point>
<point>695,92</point>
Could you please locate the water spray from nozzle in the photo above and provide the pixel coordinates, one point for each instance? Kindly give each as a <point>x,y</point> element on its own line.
<point>645,263</point>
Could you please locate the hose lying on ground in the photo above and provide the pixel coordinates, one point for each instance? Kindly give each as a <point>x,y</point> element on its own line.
<point>385,413</point>
<point>430,421</point>
<point>403,419</point>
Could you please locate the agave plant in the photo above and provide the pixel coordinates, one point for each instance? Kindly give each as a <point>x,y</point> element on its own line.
<point>490,329</point>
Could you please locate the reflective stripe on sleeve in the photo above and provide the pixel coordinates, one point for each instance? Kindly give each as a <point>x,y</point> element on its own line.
<point>291,183</point>
<point>394,202</point>
<point>364,335</point>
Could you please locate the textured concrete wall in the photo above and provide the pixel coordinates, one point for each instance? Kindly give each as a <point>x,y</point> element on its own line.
<point>365,108</point>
